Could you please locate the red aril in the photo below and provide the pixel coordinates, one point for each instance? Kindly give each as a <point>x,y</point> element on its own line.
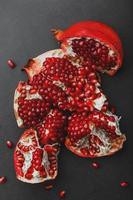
<point>95,165</point>
<point>9,144</point>
<point>11,63</point>
<point>124,184</point>
<point>3,179</point>
<point>62,194</point>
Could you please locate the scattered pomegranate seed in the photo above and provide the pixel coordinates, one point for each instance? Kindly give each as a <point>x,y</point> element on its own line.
<point>95,165</point>
<point>3,179</point>
<point>124,184</point>
<point>49,187</point>
<point>62,194</point>
<point>9,144</point>
<point>11,63</point>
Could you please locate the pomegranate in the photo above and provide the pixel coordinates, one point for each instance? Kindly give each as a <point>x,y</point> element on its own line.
<point>94,41</point>
<point>63,102</point>
<point>36,161</point>
<point>94,135</point>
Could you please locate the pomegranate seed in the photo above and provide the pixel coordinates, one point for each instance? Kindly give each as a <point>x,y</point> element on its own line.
<point>62,194</point>
<point>124,184</point>
<point>95,165</point>
<point>9,144</point>
<point>3,179</point>
<point>48,187</point>
<point>11,63</point>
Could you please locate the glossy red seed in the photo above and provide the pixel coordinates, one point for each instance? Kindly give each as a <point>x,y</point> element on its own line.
<point>3,179</point>
<point>62,194</point>
<point>95,165</point>
<point>11,63</point>
<point>124,184</point>
<point>9,144</point>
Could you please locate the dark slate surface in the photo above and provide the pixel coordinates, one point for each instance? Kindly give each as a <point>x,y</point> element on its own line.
<point>25,32</point>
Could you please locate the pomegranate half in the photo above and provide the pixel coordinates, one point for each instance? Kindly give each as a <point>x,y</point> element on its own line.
<point>94,41</point>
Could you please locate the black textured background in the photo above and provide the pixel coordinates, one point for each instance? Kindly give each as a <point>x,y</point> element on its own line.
<point>25,32</point>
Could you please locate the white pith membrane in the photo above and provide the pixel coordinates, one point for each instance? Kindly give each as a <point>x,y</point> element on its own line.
<point>68,50</point>
<point>110,146</point>
<point>29,96</point>
<point>31,141</point>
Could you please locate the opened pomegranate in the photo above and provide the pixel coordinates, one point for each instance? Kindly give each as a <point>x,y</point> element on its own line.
<point>94,135</point>
<point>63,102</point>
<point>35,156</point>
<point>94,41</point>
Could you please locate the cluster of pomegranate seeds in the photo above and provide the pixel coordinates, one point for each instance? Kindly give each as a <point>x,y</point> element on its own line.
<point>102,120</point>
<point>11,63</point>
<point>32,111</point>
<point>60,69</point>
<point>78,126</point>
<point>52,128</point>
<point>99,54</point>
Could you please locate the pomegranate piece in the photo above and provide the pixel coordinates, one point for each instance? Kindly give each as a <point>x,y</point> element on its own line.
<point>36,161</point>
<point>94,41</point>
<point>11,63</point>
<point>94,135</point>
<point>29,107</point>
<point>65,83</point>
<point>51,130</point>
<point>3,179</point>
<point>9,144</point>
<point>32,163</point>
